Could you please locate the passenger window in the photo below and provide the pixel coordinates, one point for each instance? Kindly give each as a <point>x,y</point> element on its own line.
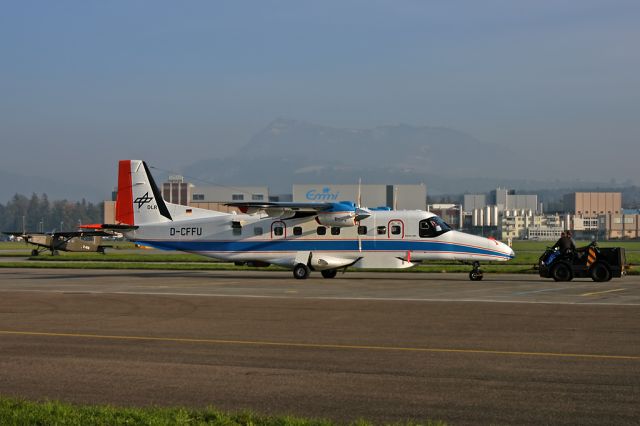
<point>297,230</point>
<point>257,230</point>
<point>381,230</point>
<point>335,230</point>
<point>278,230</point>
<point>396,229</point>
<point>237,231</point>
<point>362,230</point>
<point>321,230</point>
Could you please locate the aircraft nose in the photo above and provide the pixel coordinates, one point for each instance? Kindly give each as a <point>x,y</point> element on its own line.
<point>508,251</point>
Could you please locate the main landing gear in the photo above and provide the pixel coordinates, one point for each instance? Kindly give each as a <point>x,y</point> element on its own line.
<point>476,273</point>
<point>302,271</point>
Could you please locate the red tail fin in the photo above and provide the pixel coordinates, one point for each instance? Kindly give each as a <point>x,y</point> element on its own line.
<point>124,201</point>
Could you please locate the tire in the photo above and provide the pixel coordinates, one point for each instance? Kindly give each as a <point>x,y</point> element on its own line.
<point>561,272</point>
<point>329,273</point>
<point>301,271</point>
<point>475,276</point>
<point>600,273</point>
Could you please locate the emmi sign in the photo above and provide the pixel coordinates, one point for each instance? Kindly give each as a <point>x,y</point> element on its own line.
<point>404,197</point>
<point>325,195</point>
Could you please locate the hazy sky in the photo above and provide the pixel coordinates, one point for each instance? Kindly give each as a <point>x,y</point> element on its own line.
<point>91,82</point>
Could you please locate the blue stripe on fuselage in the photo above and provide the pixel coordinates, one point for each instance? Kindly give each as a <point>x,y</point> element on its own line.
<point>319,245</point>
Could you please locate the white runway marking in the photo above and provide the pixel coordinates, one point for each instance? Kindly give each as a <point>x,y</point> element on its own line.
<point>337,298</point>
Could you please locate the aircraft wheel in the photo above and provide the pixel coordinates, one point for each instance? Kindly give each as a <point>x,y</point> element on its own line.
<point>34,252</point>
<point>329,273</point>
<point>562,272</point>
<point>301,271</point>
<point>475,275</point>
<point>600,273</point>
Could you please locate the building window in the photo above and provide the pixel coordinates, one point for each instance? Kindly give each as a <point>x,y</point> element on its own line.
<point>335,230</point>
<point>237,197</point>
<point>297,230</point>
<point>321,230</point>
<point>257,197</point>
<point>198,197</point>
<point>278,231</point>
<point>381,230</point>
<point>362,230</point>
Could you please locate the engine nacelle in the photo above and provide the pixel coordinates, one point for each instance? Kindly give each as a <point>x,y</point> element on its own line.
<point>339,219</point>
<point>344,213</point>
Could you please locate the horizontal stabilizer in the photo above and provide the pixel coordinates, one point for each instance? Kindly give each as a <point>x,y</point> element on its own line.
<point>109,226</point>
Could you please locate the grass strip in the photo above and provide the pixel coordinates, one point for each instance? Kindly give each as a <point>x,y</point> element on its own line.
<point>14,412</point>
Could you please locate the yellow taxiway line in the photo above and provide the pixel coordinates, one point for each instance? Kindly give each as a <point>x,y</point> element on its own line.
<point>603,292</point>
<point>321,346</point>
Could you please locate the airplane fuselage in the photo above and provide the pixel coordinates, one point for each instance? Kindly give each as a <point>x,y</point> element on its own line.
<point>386,239</point>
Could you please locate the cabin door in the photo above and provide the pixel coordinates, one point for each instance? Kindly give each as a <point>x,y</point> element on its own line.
<point>395,230</point>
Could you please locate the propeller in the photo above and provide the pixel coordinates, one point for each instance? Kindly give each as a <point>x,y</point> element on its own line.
<point>360,212</point>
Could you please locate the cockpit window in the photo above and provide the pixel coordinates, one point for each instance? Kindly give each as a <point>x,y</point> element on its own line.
<point>432,227</point>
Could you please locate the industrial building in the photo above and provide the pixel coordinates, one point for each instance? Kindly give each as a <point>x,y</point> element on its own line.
<point>625,225</point>
<point>398,197</point>
<point>525,224</point>
<point>592,204</point>
<point>211,197</point>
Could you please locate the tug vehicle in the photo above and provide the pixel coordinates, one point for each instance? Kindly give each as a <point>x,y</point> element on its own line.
<point>598,263</point>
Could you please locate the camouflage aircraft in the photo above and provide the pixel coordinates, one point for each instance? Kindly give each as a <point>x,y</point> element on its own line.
<point>72,241</point>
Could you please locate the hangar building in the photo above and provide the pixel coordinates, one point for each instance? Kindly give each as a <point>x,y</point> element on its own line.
<point>399,197</point>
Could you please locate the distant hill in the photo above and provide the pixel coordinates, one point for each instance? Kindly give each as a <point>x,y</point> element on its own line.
<point>290,151</point>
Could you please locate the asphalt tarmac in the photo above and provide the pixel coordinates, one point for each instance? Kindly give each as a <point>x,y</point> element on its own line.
<point>512,349</point>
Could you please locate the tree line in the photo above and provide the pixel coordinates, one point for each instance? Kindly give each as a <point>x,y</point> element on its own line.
<point>38,214</point>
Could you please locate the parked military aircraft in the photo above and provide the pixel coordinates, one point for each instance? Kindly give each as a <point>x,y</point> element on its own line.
<point>73,241</point>
<point>325,236</point>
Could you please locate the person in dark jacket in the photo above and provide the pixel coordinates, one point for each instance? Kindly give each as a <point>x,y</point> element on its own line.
<point>565,244</point>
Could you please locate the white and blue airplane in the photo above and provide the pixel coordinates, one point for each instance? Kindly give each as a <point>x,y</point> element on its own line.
<point>305,237</point>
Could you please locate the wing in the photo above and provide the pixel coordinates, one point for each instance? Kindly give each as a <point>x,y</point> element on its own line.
<point>344,213</point>
<point>73,234</point>
<point>249,207</point>
<point>14,233</point>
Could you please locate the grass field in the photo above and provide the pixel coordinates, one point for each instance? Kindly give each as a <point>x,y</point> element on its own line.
<point>16,412</point>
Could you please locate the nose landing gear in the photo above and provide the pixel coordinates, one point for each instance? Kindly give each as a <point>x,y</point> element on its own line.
<point>476,273</point>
